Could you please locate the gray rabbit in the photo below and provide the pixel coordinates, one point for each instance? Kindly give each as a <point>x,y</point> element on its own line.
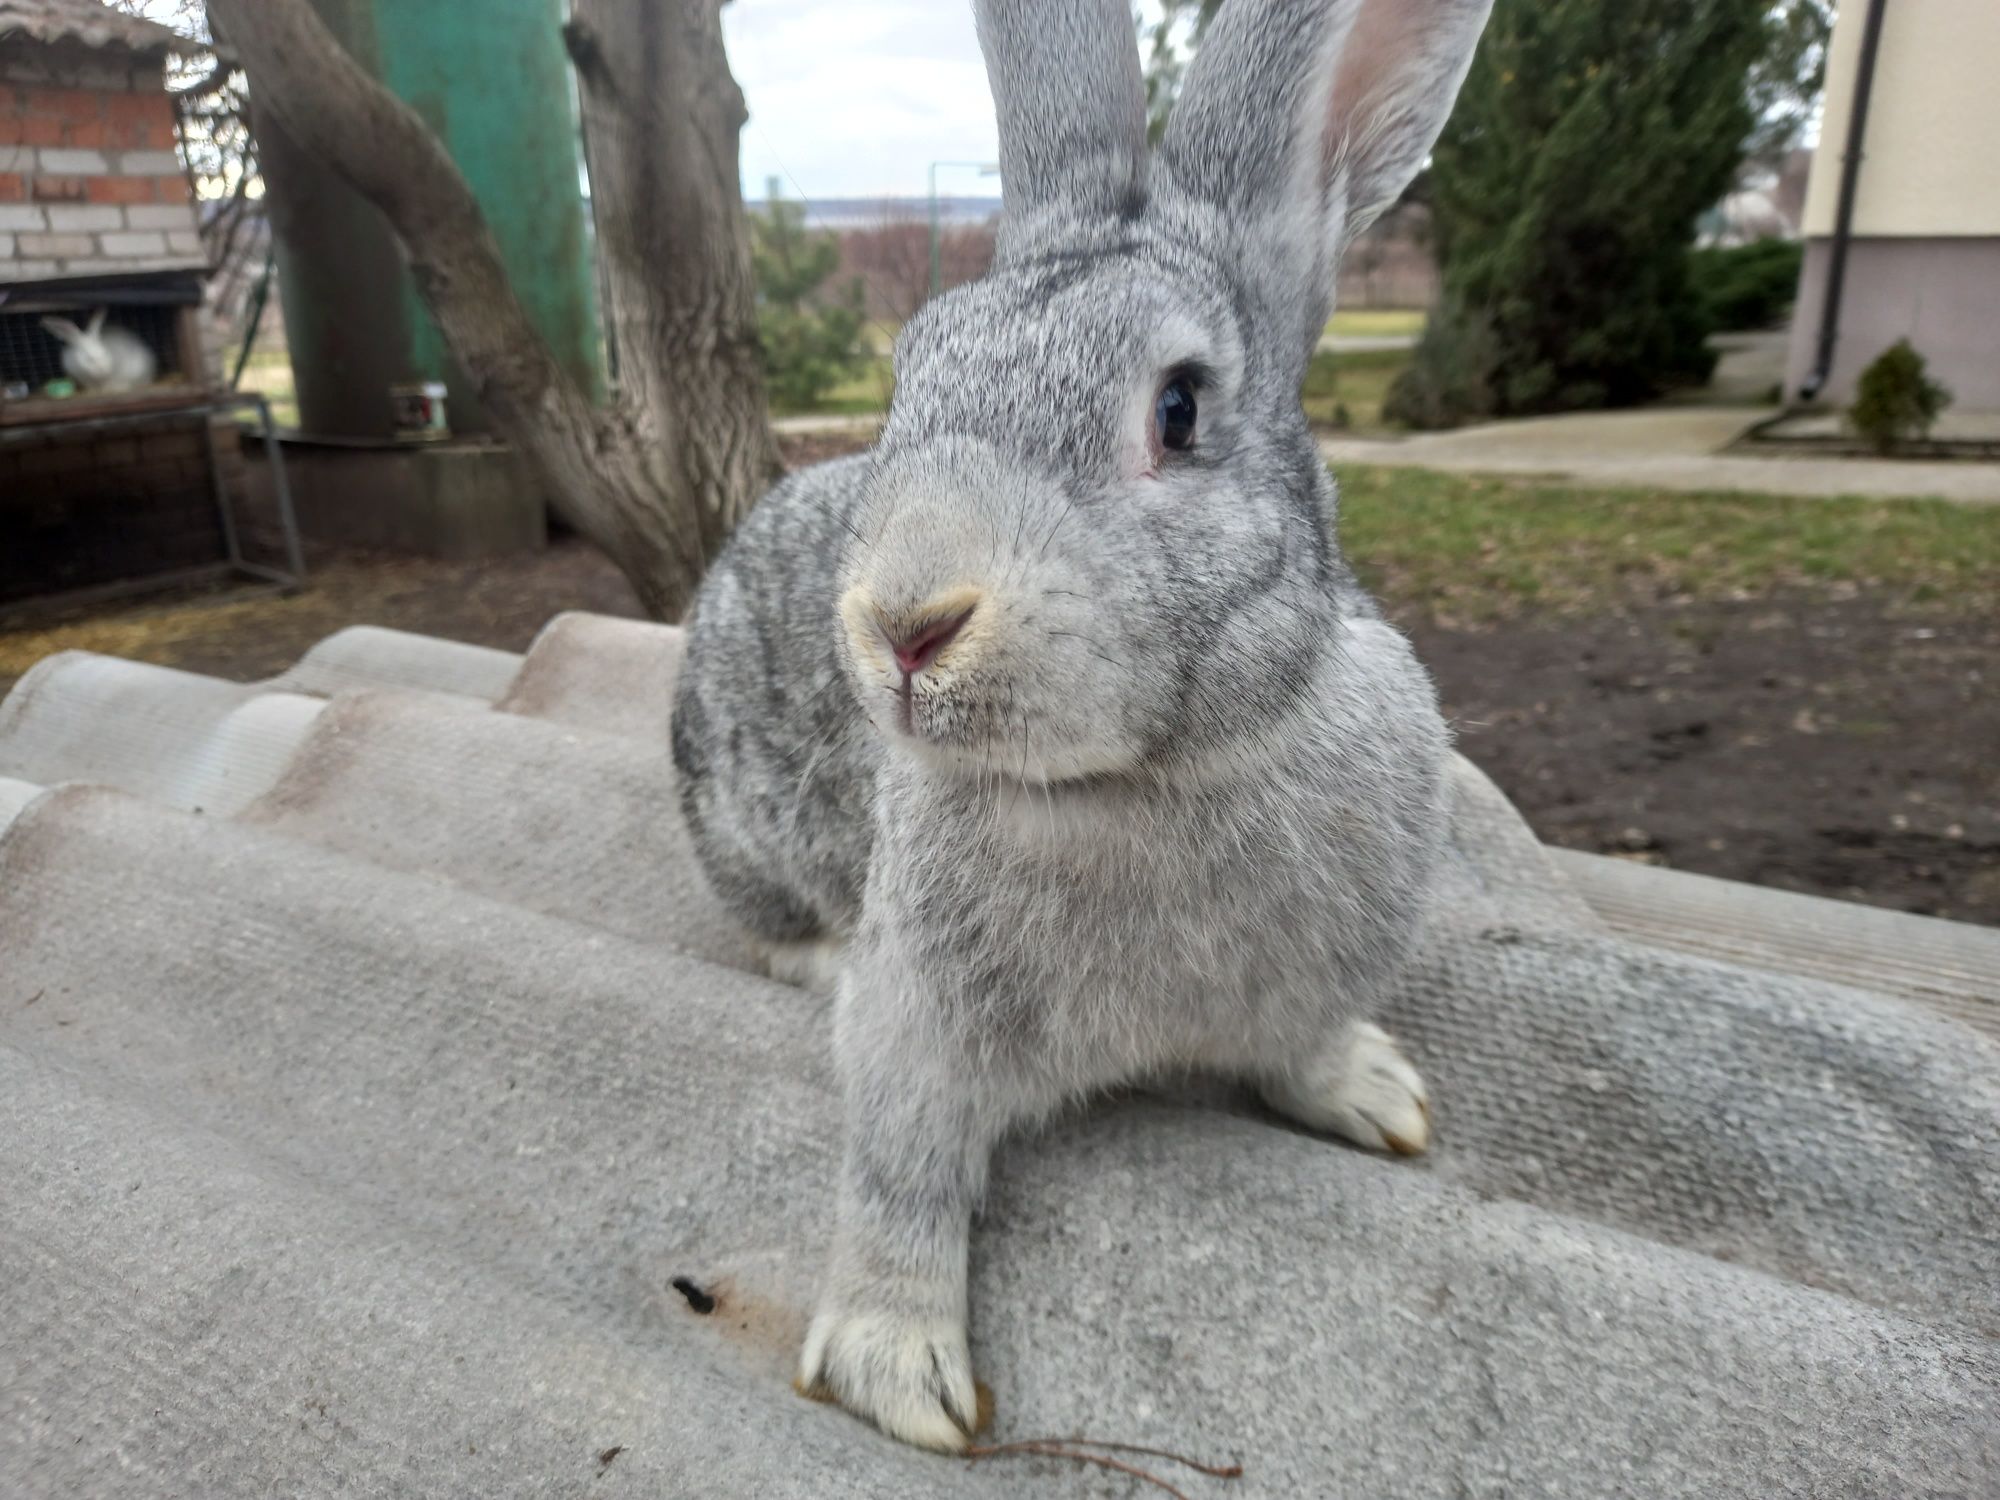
<point>1054,735</point>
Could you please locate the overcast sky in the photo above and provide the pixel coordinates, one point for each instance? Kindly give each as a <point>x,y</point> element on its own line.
<point>856,98</point>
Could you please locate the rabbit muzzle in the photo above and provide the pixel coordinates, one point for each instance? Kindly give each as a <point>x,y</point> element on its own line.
<point>971,626</point>
<point>925,653</point>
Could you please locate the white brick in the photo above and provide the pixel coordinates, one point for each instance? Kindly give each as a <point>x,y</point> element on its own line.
<point>160,216</point>
<point>146,164</point>
<point>15,217</point>
<point>73,218</point>
<point>126,245</point>
<point>33,270</point>
<point>185,242</point>
<point>61,246</point>
<point>72,163</point>
<point>6,247</point>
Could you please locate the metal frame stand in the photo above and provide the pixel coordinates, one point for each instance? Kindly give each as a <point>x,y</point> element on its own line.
<point>293,575</point>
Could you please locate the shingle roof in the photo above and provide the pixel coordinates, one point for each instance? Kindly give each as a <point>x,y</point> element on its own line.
<point>372,1058</point>
<point>88,21</point>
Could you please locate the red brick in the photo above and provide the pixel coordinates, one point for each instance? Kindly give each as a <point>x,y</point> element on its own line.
<point>58,189</point>
<point>13,188</point>
<point>121,189</point>
<point>174,190</point>
<point>140,135</point>
<point>67,105</point>
<point>94,134</point>
<point>143,105</point>
<point>40,130</point>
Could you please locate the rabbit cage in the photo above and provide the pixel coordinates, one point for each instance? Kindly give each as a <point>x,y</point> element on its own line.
<point>131,481</point>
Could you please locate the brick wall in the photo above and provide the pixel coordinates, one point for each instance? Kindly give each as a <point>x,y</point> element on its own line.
<point>89,183</point>
<point>1392,263</point>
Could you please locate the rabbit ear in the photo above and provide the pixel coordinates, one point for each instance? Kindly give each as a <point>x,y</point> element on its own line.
<point>97,321</point>
<point>1071,104</point>
<point>63,329</point>
<point>1304,119</point>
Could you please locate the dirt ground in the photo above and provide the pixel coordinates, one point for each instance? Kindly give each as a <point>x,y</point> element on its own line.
<point>1829,745</point>
<point>1820,745</point>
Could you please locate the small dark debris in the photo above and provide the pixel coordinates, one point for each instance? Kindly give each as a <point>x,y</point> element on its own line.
<point>33,998</point>
<point>604,1458</point>
<point>697,1299</point>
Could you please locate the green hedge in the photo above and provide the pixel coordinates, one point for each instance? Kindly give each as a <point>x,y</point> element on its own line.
<point>1747,286</point>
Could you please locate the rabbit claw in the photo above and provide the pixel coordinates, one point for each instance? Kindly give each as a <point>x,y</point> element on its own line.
<point>1363,1089</point>
<point>911,1376</point>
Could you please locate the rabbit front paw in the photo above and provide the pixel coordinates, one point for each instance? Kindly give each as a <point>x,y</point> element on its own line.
<point>1362,1088</point>
<point>909,1375</point>
<point>813,964</point>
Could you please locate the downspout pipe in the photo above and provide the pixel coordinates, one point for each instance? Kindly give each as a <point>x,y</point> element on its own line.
<point>1843,221</point>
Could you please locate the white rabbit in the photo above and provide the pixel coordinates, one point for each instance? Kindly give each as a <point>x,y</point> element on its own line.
<point>105,359</point>
<point>1056,726</point>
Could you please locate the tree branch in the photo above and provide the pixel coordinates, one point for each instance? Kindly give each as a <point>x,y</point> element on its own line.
<point>321,97</point>
<point>659,479</point>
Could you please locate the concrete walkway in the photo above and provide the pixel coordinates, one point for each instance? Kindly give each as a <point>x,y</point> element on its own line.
<point>1669,448</point>
<point>865,425</point>
<point>1660,447</point>
<point>1365,343</point>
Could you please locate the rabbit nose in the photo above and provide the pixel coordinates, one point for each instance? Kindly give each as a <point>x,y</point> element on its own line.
<point>917,644</point>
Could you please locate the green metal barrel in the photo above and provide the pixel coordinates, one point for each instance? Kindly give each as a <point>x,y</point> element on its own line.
<point>492,79</point>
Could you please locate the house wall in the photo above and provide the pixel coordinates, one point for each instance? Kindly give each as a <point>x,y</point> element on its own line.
<point>1924,263</point>
<point>89,182</point>
<point>1933,122</point>
<point>1942,294</point>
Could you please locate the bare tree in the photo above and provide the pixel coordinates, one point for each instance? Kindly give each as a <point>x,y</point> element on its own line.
<point>212,124</point>
<point>658,477</point>
<point>893,257</point>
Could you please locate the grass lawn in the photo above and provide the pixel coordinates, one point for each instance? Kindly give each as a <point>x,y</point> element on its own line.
<point>1357,381</point>
<point>269,371</point>
<point>1474,548</point>
<point>1376,322</point>
<point>1346,390</point>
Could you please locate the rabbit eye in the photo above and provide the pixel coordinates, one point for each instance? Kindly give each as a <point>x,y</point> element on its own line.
<point>1173,414</point>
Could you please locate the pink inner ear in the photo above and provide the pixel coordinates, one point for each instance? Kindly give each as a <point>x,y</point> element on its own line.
<point>1386,37</point>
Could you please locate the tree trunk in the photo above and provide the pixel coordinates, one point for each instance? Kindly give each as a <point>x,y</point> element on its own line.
<point>659,477</point>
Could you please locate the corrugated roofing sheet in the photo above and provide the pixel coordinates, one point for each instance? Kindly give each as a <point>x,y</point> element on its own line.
<point>88,21</point>
<point>372,1059</point>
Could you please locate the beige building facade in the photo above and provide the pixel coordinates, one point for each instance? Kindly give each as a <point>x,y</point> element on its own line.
<point>1923,252</point>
